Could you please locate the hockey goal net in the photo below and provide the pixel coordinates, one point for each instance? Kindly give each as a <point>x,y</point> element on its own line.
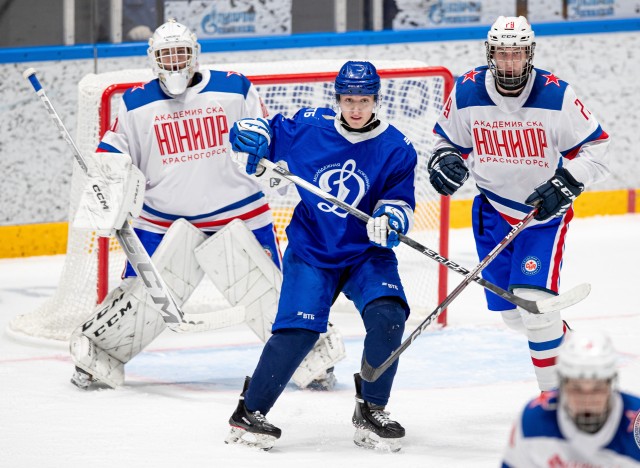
<point>412,96</point>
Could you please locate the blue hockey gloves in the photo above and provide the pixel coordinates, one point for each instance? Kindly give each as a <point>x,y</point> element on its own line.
<point>447,171</point>
<point>385,224</point>
<point>251,136</point>
<point>555,195</point>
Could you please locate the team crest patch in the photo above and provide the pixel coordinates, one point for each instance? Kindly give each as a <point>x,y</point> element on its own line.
<point>530,265</point>
<point>636,429</point>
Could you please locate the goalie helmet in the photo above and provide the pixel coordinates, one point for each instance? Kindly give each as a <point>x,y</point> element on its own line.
<point>586,365</point>
<point>358,78</point>
<point>173,52</point>
<point>510,47</point>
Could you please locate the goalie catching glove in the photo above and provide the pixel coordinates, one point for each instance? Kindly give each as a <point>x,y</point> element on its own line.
<point>385,224</point>
<point>554,197</point>
<point>251,136</point>
<point>114,190</point>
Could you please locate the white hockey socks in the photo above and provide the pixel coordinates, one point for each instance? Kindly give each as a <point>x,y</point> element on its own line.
<point>545,333</point>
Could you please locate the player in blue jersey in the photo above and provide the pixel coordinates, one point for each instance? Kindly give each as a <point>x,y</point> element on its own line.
<point>368,163</point>
<point>588,422</point>
<point>526,139</point>
<point>172,133</point>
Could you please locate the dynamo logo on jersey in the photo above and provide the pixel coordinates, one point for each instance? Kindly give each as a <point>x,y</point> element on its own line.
<point>350,184</point>
<point>531,265</point>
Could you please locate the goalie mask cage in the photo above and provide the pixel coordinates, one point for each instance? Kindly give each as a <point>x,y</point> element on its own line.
<point>411,98</point>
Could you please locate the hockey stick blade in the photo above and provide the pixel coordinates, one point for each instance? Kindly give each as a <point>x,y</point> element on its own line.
<point>556,303</point>
<point>564,300</point>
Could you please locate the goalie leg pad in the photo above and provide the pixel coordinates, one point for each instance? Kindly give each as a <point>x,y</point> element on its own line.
<point>328,350</point>
<point>238,266</point>
<point>128,320</point>
<point>94,360</point>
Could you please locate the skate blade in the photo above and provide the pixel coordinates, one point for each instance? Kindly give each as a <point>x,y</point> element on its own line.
<point>239,436</point>
<point>81,382</point>
<point>372,441</point>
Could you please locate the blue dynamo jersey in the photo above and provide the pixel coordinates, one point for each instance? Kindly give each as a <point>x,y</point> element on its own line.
<point>362,169</point>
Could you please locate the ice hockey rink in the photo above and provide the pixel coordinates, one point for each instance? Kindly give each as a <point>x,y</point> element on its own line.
<point>457,390</point>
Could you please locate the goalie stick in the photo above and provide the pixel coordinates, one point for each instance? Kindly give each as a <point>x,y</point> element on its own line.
<point>133,248</point>
<point>561,301</point>
<point>371,374</point>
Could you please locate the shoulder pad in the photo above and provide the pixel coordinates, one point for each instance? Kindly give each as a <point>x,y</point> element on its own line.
<point>547,92</point>
<point>471,90</point>
<point>315,115</point>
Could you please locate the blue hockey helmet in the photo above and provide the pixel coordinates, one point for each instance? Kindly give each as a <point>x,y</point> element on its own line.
<point>359,78</point>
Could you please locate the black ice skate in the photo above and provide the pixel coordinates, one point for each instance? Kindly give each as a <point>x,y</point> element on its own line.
<point>374,429</point>
<point>251,428</point>
<point>81,379</point>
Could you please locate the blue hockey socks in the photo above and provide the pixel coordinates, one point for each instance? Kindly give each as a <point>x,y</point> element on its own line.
<point>281,356</point>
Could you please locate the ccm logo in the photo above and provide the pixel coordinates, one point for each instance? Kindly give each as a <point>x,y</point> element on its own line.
<point>101,198</point>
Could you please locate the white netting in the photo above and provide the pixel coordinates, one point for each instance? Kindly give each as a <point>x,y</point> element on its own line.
<point>411,100</point>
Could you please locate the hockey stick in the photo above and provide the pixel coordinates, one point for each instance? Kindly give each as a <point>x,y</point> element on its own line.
<point>371,374</point>
<point>561,301</point>
<point>133,248</point>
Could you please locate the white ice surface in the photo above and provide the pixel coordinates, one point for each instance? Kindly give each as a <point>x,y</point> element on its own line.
<point>457,390</point>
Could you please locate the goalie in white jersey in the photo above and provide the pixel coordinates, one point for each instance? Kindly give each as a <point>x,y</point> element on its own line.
<point>527,139</point>
<point>211,217</point>
<point>588,422</point>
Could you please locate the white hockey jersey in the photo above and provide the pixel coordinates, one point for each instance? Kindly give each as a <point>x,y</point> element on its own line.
<point>513,144</point>
<point>544,436</point>
<point>182,147</point>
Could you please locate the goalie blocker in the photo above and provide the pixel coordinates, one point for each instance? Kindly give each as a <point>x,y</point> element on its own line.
<point>128,320</point>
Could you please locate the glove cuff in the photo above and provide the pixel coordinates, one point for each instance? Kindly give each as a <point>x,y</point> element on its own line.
<point>561,171</point>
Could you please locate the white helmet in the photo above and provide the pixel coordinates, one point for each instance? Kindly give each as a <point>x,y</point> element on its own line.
<point>586,366</point>
<point>509,32</point>
<point>173,53</point>
<point>587,355</point>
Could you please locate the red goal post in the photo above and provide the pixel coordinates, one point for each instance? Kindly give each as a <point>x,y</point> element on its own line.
<point>412,97</point>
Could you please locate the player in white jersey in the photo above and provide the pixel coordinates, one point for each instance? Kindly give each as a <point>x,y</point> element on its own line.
<point>527,139</point>
<point>173,132</point>
<point>587,423</point>
<point>363,161</point>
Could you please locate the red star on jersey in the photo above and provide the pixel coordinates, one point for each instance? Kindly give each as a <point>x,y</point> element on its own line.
<point>634,417</point>
<point>137,87</point>
<point>551,78</point>
<point>229,73</point>
<point>471,76</point>
<point>544,399</point>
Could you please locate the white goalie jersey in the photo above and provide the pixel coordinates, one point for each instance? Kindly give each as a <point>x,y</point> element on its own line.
<point>182,147</point>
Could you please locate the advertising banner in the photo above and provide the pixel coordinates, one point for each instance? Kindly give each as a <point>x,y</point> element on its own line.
<point>226,18</point>
<point>425,14</point>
